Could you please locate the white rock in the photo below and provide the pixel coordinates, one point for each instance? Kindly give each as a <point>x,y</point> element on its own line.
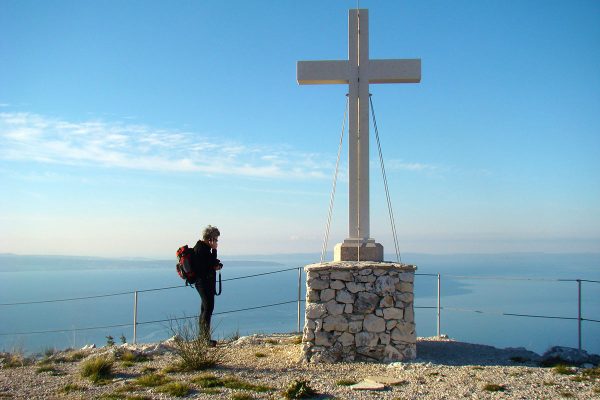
<point>315,310</point>
<point>392,313</point>
<point>335,323</point>
<point>334,308</point>
<point>327,294</point>
<point>343,296</point>
<point>341,275</point>
<point>346,339</point>
<point>367,339</point>
<point>337,285</point>
<point>373,323</point>
<point>318,284</point>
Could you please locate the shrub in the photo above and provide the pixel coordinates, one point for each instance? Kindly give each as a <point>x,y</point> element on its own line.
<point>230,382</point>
<point>152,380</point>
<point>299,389</point>
<point>492,387</point>
<point>49,368</point>
<point>563,369</point>
<point>14,360</point>
<point>71,387</point>
<point>177,389</point>
<point>97,369</point>
<point>345,382</point>
<point>259,355</point>
<point>193,348</point>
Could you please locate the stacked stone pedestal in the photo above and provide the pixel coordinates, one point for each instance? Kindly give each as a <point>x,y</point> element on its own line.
<point>359,310</point>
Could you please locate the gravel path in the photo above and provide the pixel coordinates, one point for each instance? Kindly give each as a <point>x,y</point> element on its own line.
<point>445,369</point>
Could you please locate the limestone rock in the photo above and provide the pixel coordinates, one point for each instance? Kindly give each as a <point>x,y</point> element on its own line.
<point>322,339</point>
<point>337,285</point>
<point>327,294</point>
<point>366,339</point>
<point>373,323</point>
<point>346,339</point>
<point>315,310</point>
<point>344,296</point>
<point>334,308</point>
<point>366,303</point>
<point>384,285</point>
<point>393,313</point>
<point>367,385</point>
<point>335,323</point>
<point>318,284</point>
<point>342,275</point>
<point>355,287</point>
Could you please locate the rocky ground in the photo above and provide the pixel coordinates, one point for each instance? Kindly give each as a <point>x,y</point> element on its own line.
<point>261,367</point>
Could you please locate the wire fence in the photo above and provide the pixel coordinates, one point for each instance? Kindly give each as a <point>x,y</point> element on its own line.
<point>299,301</point>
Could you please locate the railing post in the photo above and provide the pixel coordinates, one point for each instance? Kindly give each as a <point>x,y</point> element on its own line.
<point>135,306</point>
<point>439,330</point>
<point>579,313</point>
<point>299,295</point>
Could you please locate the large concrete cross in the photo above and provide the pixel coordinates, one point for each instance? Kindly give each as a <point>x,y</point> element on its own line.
<point>358,71</point>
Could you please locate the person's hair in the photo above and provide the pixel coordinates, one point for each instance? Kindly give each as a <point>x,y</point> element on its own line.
<point>210,233</point>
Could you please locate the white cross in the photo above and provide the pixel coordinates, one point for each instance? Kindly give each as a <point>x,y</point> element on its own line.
<point>358,71</point>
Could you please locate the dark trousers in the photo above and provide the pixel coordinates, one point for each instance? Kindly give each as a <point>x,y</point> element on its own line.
<point>206,290</point>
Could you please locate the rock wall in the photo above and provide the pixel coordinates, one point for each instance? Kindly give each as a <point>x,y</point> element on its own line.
<point>359,311</point>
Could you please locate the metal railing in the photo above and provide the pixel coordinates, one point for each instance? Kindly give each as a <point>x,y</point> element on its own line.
<point>439,308</point>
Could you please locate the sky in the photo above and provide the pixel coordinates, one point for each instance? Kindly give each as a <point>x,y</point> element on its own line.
<point>127,126</point>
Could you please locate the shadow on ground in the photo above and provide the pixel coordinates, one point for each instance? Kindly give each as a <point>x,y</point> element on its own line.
<point>450,352</point>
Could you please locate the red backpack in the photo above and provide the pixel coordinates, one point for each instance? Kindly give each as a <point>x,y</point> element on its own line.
<point>184,265</point>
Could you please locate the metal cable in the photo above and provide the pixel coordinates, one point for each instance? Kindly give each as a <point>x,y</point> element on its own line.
<point>335,175</point>
<point>387,192</point>
<point>142,323</point>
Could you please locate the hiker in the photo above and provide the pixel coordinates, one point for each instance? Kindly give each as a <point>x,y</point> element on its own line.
<point>205,265</point>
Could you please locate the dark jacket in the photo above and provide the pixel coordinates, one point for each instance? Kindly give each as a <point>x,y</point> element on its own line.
<point>204,262</point>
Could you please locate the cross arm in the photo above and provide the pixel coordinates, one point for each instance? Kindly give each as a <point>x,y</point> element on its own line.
<point>319,72</point>
<point>395,71</point>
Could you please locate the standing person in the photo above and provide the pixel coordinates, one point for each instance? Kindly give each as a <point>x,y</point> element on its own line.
<point>205,265</point>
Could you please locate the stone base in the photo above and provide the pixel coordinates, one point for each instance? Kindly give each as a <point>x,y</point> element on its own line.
<point>359,311</point>
<point>358,250</point>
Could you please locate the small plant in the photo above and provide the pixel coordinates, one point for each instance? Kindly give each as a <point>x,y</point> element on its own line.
<point>49,368</point>
<point>73,356</point>
<point>14,360</point>
<point>492,387</point>
<point>233,336</point>
<point>230,382</point>
<point>152,380</point>
<point>259,355</point>
<point>567,395</point>
<point>563,369</point>
<point>192,347</point>
<point>345,382</point>
<point>176,389</point>
<point>591,373</point>
<point>72,387</point>
<point>299,389</point>
<point>110,341</point>
<point>98,369</point>
<point>123,339</point>
<point>272,341</point>
<point>297,340</point>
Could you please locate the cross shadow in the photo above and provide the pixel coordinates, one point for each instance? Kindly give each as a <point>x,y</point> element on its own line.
<point>448,352</point>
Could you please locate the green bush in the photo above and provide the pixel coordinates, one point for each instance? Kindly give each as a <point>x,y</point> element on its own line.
<point>492,387</point>
<point>152,380</point>
<point>193,348</point>
<point>176,389</point>
<point>98,369</point>
<point>299,389</point>
<point>230,382</point>
<point>345,382</point>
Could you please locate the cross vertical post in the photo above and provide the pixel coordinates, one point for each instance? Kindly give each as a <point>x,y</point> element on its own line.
<point>358,72</point>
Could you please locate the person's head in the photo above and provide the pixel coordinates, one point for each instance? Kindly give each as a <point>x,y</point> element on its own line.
<point>210,235</point>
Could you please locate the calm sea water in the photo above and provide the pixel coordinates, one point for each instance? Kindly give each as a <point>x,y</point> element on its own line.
<point>473,307</point>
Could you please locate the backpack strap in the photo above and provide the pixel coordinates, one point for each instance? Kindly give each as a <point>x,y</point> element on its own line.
<point>218,293</point>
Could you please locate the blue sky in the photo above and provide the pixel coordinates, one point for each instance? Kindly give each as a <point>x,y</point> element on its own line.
<point>126,126</point>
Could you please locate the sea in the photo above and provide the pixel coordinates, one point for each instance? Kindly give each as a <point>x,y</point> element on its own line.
<point>529,300</point>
